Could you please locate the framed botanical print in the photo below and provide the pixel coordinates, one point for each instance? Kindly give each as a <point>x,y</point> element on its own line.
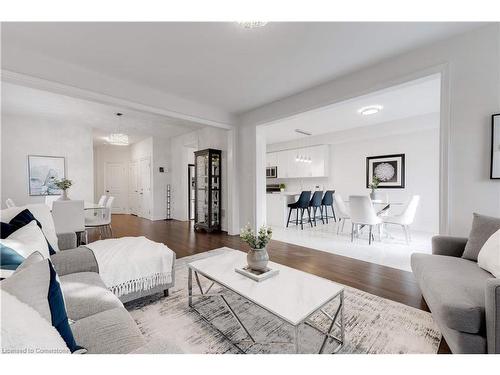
<point>389,169</point>
<point>495,147</point>
<point>43,172</point>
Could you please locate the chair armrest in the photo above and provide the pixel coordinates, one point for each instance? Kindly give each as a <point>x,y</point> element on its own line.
<point>492,305</point>
<point>66,241</point>
<point>76,260</point>
<point>448,245</point>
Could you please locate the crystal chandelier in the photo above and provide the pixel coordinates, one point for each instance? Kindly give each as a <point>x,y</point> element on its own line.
<point>118,139</point>
<point>252,24</point>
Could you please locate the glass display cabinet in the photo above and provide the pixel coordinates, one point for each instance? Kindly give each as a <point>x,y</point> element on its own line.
<point>208,185</point>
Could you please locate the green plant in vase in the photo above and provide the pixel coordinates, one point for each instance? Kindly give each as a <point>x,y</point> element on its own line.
<point>257,257</point>
<point>64,184</point>
<point>282,187</point>
<point>374,185</point>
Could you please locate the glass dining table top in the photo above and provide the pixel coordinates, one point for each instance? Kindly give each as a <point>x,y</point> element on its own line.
<point>92,206</point>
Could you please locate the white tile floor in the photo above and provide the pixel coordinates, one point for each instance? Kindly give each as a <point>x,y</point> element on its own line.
<point>391,252</point>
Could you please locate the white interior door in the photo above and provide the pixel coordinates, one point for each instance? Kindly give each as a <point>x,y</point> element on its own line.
<point>115,183</point>
<point>145,188</point>
<point>133,188</point>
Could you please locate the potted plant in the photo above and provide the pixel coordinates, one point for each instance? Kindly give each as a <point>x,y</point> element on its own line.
<point>282,187</point>
<point>257,257</point>
<point>64,184</point>
<point>374,185</point>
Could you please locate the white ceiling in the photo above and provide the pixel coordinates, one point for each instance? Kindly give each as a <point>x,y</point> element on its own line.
<point>220,63</point>
<point>21,100</point>
<point>411,99</point>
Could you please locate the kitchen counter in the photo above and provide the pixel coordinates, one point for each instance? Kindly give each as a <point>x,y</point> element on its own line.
<point>277,207</point>
<point>286,193</point>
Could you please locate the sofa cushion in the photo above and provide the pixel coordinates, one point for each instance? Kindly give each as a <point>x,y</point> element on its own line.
<point>38,287</point>
<point>454,289</point>
<point>86,295</point>
<point>489,256</point>
<point>25,331</point>
<point>22,219</point>
<point>42,213</point>
<point>482,229</point>
<point>109,332</point>
<point>29,261</point>
<point>27,240</point>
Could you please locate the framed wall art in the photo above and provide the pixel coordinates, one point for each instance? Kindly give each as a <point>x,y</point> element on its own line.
<point>43,172</point>
<point>389,169</point>
<point>495,147</point>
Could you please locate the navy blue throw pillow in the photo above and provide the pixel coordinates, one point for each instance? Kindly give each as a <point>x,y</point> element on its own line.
<point>58,311</point>
<point>9,258</point>
<point>20,220</point>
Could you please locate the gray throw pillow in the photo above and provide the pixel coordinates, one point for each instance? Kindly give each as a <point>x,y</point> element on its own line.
<point>29,261</point>
<point>483,228</point>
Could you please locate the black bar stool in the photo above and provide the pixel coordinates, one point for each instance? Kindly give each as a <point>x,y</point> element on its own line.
<point>328,202</point>
<point>301,205</point>
<point>315,204</point>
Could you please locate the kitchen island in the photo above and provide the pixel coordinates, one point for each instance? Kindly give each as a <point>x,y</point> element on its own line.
<point>277,207</point>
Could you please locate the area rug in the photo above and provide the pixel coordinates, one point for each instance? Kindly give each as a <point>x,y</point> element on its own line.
<point>373,325</point>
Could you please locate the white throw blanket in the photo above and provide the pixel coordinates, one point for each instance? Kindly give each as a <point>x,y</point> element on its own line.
<point>132,264</point>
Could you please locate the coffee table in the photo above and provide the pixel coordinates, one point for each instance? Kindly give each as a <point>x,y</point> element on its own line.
<point>293,296</point>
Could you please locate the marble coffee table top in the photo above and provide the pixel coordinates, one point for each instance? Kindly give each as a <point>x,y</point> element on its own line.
<point>292,295</point>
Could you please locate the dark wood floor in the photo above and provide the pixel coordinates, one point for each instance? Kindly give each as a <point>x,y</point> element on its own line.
<point>386,282</point>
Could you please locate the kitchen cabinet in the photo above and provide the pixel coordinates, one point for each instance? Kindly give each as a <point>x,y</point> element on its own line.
<point>282,164</point>
<point>272,159</point>
<point>288,167</point>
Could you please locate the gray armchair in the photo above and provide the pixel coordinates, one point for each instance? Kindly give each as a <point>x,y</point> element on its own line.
<point>463,298</point>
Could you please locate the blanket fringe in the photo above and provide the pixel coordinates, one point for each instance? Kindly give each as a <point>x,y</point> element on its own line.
<point>142,284</point>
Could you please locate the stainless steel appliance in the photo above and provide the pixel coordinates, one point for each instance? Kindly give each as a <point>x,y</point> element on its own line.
<point>271,172</point>
<point>272,188</point>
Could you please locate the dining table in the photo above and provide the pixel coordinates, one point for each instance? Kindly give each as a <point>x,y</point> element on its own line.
<point>92,206</point>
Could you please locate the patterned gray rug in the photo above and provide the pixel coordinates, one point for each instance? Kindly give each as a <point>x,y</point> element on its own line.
<point>373,324</point>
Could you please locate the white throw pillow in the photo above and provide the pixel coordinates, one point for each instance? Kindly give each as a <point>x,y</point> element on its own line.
<point>24,330</point>
<point>42,213</point>
<point>489,255</point>
<point>27,240</point>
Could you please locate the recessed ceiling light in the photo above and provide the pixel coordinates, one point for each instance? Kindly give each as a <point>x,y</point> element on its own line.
<point>370,110</point>
<point>252,24</point>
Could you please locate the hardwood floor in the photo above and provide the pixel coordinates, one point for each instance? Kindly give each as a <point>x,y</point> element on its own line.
<point>386,282</point>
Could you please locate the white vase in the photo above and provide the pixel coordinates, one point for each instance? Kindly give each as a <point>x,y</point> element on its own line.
<point>257,259</point>
<point>64,196</point>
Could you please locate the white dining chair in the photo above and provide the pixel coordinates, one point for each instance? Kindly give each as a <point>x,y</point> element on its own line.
<point>405,218</point>
<point>363,214</point>
<point>101,219</point>
<point>68,217</point>
<point>10,203</point>
<point>342,211</point>
<point>50,199</point>
<point>102,200</point>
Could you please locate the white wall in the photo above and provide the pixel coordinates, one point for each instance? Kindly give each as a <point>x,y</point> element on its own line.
<point>416,137</point>
<point>470,64</point>
<point>44,135</point>
<point>181,147</point>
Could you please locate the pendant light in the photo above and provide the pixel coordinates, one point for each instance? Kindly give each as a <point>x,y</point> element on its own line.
<point>118,138</point>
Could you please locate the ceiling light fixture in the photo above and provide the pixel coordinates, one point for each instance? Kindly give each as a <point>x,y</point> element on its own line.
<point>252,24</point>
<point>370,110</point>
<point>300,158</point>
<point>118,138</point>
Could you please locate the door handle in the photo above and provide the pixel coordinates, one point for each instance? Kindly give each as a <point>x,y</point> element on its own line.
<point>107,191</point>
